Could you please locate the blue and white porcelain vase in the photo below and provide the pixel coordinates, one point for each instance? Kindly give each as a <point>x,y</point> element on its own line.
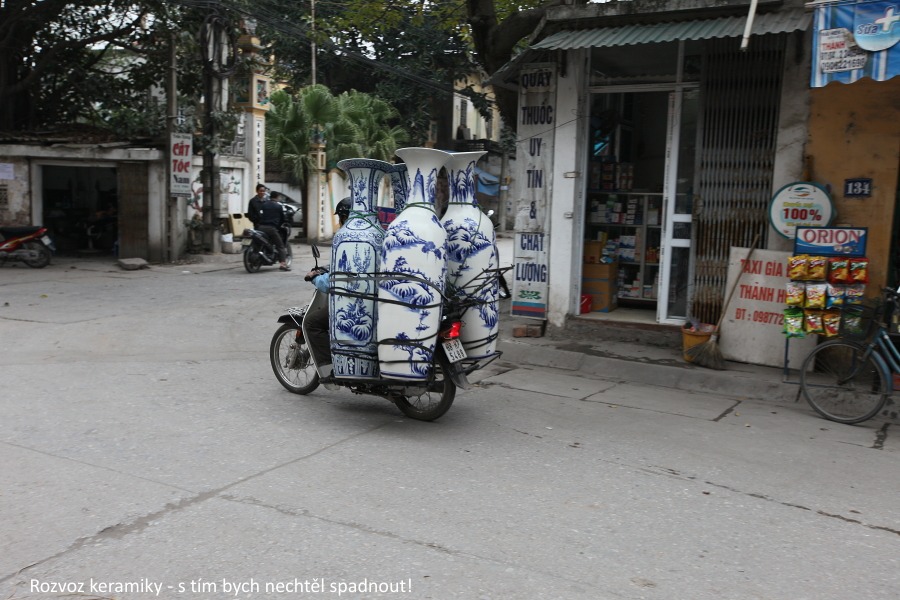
<point>414,268</point>
<point>355,256</point>
<point>399,186</point>
<point>471,255</point>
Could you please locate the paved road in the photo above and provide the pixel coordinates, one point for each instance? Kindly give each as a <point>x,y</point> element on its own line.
<point>145,442</point>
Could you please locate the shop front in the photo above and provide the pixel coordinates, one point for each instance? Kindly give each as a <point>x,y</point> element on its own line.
<point>666,142</point>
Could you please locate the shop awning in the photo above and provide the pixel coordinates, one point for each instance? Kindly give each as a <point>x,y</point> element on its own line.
<point>852,40</point>
<point>627,35</point>
<point>488,184</point>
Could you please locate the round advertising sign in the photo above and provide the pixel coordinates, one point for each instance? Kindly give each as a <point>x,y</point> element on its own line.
<point>801,204</point>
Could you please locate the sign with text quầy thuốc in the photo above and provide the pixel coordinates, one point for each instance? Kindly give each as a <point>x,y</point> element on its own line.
<point>831,241</point>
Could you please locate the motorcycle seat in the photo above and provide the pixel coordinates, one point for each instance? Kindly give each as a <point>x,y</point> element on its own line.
<point>20,230</point>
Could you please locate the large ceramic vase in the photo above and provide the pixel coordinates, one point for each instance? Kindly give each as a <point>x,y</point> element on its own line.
<point>399,186</point>
<point>414,267</point>
<point>471,256</point>
<point>355,257</point>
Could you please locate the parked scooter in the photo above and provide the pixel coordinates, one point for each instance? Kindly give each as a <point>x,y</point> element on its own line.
<point>297,368</point>
<point>31,245</point>
<point>259,250</point>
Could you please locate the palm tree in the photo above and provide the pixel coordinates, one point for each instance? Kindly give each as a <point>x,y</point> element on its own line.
<point>353,125</point>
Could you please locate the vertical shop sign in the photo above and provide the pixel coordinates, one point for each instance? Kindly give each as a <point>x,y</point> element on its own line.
<point>536,118</point>
<point>530,278</point>
<point>259,148</point>
<point>181,154</point>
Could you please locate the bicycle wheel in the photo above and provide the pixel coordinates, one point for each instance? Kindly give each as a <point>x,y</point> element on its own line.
<point>843,382</point>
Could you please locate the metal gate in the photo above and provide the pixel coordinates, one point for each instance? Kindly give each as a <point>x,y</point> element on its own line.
<point>735,159</point>
<point>133,211</point>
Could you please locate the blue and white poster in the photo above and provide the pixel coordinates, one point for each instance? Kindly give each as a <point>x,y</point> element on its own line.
<point>856,39</point>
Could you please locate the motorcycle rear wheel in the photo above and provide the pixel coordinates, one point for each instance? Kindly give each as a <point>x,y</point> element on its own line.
<point>43,255</point>
<point>433,403</point>
<point>291,360</point>
<point>252,260</point>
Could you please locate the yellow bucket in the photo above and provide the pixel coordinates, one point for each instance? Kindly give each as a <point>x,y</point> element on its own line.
<point>693,337</point>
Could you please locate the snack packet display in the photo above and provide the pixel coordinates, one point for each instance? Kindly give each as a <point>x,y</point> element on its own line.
<point>816,268</point>
<point>831,322</point>
<point>797,266</point>
<point>793,322</point>
<point>796,293</point>
<point>859,270</point>
<point>815,295</point>
<point>834,296</point>
<point>854,293</point>
<point>812,321</point>
<point>852,323</point>
<point>838,270</point>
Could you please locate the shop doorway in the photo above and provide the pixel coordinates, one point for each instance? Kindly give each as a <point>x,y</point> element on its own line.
<point>640,195</point>
<point>80,208</point>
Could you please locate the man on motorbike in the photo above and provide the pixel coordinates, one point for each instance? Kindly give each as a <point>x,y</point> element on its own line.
<point>317,321</point>
<point>255,202</point>
<point>267,216</point>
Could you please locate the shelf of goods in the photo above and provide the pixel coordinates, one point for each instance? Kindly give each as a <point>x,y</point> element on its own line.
<point>627,227</point>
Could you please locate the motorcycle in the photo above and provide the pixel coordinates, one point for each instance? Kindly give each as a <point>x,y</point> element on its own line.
<point>259,250</point>
<point>297,368</point>
<point>30,244</point>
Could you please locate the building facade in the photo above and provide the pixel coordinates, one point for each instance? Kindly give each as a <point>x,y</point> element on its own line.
<point>659,132</point>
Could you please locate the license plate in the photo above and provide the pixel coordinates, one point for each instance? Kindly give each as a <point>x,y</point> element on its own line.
<point>246,242</point>
<point>47,241</point>
<point>454,350</point>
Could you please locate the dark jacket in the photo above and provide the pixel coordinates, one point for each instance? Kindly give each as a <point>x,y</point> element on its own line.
<point>253,210</point>
<point>270,213</point>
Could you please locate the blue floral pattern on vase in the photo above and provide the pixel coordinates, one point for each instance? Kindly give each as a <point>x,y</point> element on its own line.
<point>414,269</point>
<point>471,245</point>
<point>355,254</point>
<point>399,186</point>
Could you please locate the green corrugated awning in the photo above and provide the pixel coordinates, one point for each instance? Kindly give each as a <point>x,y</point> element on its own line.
<point>628,35</point>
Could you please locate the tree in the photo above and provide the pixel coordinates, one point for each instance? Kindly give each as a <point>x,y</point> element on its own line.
<point>493,29</point>
<point>402,52</point>
<point>63,59</point>
<point>352,125</point>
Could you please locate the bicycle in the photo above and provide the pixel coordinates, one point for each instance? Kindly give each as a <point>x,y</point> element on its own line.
<point>849,379</point>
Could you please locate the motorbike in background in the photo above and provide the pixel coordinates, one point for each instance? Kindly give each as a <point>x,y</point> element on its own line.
<point>259,251</point>
<point>296,369</point>
<point>29,244</point>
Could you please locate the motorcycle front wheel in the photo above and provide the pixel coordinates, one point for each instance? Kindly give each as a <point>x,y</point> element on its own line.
<point>252,260</point>
<point>291,360</point>
<point>433,403</point>
<point>42,255</point>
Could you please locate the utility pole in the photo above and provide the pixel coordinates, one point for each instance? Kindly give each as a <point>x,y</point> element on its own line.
<point>312,44</point>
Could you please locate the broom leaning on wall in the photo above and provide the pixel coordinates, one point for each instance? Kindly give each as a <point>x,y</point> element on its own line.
<point>708,353</point>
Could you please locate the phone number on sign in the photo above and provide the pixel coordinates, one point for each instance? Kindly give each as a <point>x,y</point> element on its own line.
<point>759,316</point>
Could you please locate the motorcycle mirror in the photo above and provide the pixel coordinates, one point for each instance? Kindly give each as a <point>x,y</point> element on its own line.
<point>316,255</point>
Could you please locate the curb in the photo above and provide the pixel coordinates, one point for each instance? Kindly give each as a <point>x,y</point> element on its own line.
<point>744,381</point>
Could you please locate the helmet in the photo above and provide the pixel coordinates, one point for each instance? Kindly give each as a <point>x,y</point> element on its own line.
<point>342,210</point>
